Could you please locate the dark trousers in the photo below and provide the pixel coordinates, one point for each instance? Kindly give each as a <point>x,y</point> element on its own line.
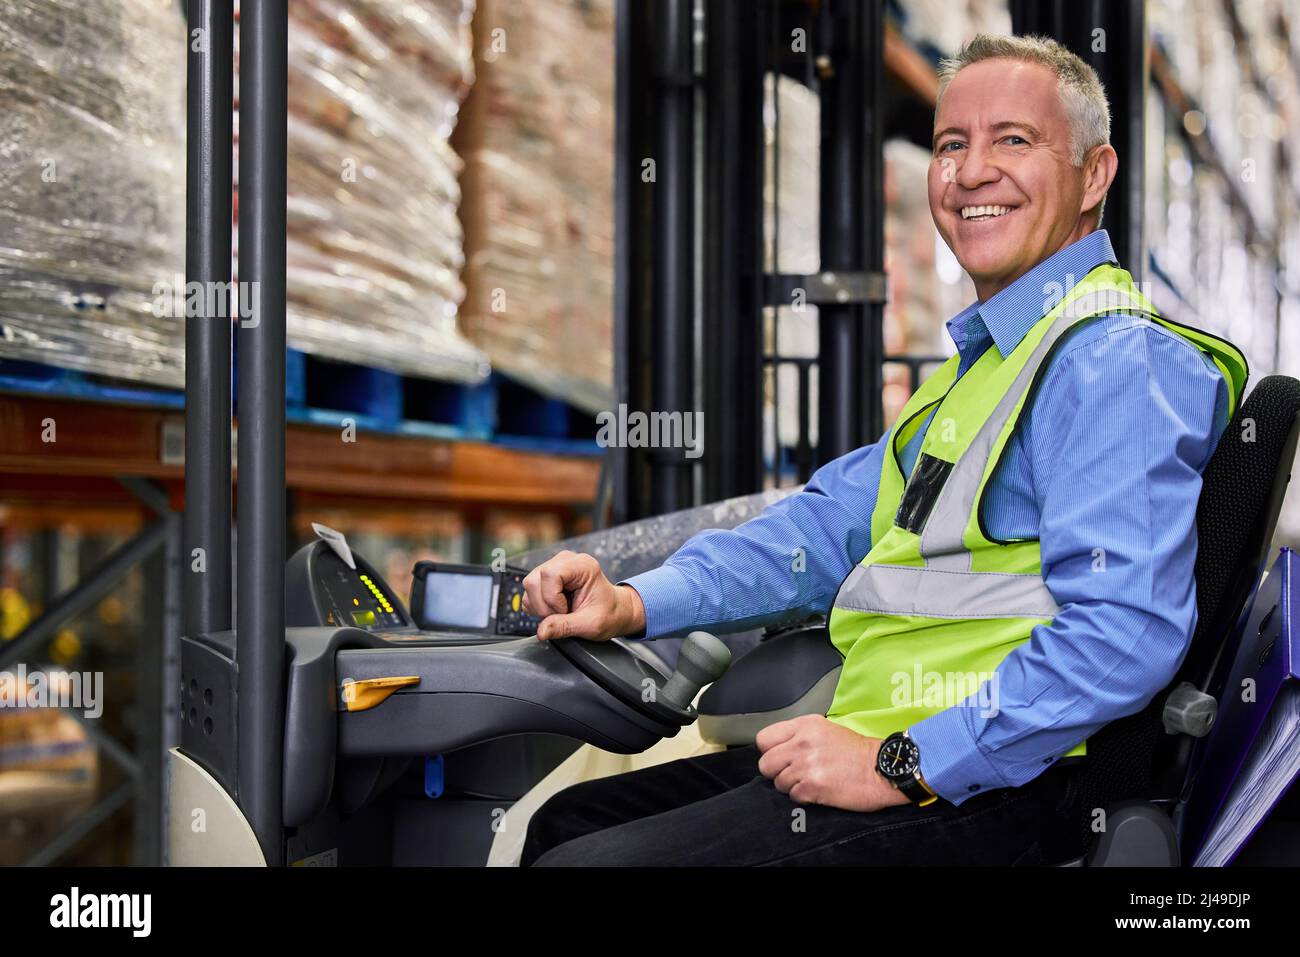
<point>717,809</point>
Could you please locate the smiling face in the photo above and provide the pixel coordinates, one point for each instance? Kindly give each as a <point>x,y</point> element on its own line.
<point>1004,190</point>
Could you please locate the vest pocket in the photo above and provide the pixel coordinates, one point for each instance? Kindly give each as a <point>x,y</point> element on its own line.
<point>923,487</point>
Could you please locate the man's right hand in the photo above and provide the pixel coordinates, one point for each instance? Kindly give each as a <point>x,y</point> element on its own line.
<point>600,609</point>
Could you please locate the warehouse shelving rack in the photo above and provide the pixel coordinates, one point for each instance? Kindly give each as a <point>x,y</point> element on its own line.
<point>682,260</point>
<point>691,288</point>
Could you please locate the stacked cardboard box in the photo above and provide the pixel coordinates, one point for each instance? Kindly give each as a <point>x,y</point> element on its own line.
<point>374,244</point>
<point>537,136</point>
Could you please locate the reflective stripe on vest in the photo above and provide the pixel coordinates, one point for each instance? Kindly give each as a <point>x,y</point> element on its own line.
<point>935,589</point>
<point>942,593</point>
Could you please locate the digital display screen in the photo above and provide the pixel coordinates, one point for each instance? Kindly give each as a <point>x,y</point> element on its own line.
<point>363,618</point>
<point>457,600</point>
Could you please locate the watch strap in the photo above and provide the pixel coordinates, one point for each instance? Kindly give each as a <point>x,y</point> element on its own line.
<point>916,791</point>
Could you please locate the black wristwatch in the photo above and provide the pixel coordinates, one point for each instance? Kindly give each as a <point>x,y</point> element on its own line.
<point>899,762</point>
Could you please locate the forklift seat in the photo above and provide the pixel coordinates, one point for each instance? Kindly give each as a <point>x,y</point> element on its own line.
<point>1136,765</point>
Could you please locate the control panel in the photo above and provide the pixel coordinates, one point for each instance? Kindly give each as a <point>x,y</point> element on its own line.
<point>328,585</point>
<point>354,597</point>
<point>511,617</point>
<point>472,599</point>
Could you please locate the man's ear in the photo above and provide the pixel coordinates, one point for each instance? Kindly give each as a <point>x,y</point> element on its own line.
<point>1099,167</point>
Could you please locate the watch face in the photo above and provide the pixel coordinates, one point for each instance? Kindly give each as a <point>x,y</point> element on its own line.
<point>899,758</point>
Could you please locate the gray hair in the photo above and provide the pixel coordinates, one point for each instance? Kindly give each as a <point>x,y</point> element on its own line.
<point>1077,83</point>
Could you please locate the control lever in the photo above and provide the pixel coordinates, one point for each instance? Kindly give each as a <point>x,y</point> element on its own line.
<point>701,661</point>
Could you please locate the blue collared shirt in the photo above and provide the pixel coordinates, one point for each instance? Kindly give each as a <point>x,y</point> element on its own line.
<point>1105,471</point>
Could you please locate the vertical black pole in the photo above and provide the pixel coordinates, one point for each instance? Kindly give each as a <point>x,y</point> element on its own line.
<point>733,249</point>
<point>634,201</point>
<point>1120,57</point>
<point>626,170</point>
<point>674,232</point>
<point>263,34</point>
<point>869,32</point>
<point>206,590</point>
<point>1111,36</point>
<point>851,348</point>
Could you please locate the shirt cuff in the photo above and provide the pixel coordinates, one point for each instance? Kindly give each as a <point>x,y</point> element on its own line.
<point>952,764</point>
<point>669,601</point>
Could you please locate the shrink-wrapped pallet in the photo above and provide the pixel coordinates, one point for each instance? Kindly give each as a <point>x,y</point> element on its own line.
<point>374,243</point>
<point>537,135</point>
<point>92,184</point>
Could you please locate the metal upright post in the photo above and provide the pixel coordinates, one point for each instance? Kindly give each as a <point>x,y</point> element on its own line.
<point>263,77</point>
<point>1122,62</point>
<point>851,346</point>
<point>1111,36</point>
<point>616,457</point>
<point>674,299</point>
<point>206,597</point>
<point>633,265</point>
<point>733,249</point>
<point>156,693</point>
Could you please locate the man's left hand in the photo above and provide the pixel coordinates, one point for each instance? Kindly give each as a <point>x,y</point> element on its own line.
<point>817,761</point>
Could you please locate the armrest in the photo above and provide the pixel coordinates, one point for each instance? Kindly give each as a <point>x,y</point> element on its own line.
<point>792,674</point>
<point>1138,834</point>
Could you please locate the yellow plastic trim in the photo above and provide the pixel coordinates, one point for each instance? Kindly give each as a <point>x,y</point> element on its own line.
<point>369,692</point>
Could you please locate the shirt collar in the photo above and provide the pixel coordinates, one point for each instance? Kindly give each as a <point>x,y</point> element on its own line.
<point>1010,314</point>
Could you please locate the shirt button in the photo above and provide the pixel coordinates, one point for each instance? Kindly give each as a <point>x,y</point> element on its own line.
<point>1048,760</point>
<point>973,787</point>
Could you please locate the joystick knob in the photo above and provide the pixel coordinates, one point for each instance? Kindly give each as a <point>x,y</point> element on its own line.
<point>701,661</point>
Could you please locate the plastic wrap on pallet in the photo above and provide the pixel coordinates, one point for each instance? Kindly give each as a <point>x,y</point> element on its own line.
<point>1210,225</point>
<point>537,135</point>
<point>1222,188</point>
<point>92,177</point>
<point>927,285</point>
<point>942,26</point>
<point>636,547</point>
<point>791,245</point>
<point>375,248</point>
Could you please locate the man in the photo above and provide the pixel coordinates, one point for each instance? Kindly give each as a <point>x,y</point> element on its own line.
<point>1007,570</point>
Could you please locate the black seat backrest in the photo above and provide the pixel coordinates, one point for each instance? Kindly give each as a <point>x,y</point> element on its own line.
<point>1241,496</point>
